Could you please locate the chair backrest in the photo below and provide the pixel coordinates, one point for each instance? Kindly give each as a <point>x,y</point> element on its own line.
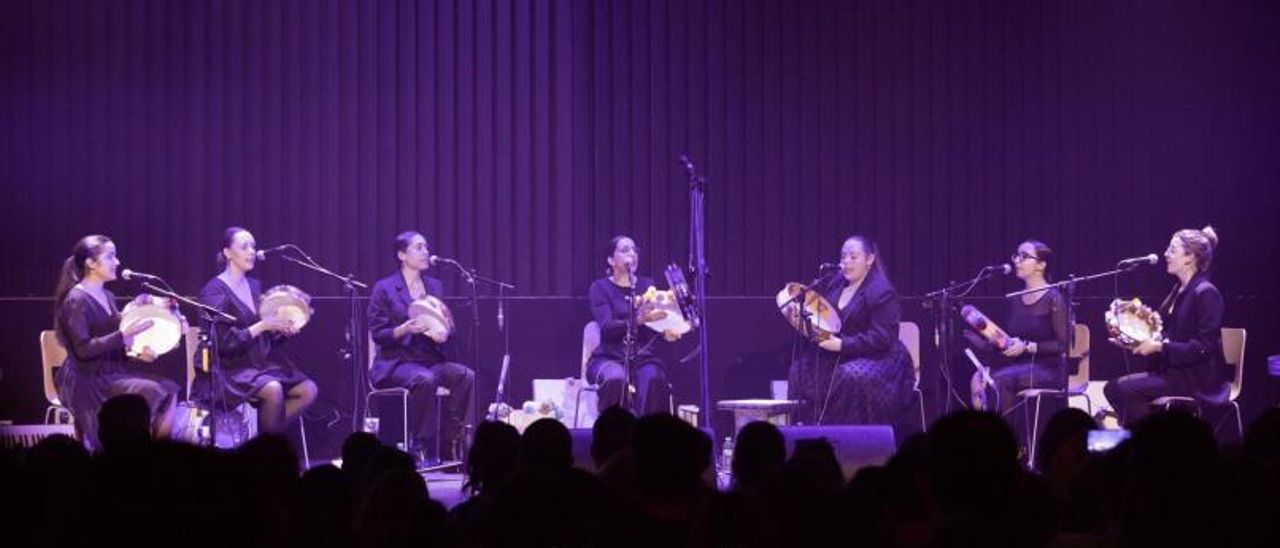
<point>52,355</point>
<point>909,334</point>
<point>590,341</point>
<point>1233,339</point>
<point>1079,350</point>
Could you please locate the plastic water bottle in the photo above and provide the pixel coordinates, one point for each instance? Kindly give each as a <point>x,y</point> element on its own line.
<point>726,455</point>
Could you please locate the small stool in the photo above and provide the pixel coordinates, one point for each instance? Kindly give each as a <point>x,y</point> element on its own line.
<point>777,412</point>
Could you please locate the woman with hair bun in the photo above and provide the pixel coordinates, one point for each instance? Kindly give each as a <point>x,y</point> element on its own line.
<point>1189,361</point>
<point>254,366</point>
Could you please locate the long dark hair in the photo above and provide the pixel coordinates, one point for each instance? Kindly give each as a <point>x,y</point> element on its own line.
<point>228,238</point>
<point>88,247</point>
<point>870,247</point>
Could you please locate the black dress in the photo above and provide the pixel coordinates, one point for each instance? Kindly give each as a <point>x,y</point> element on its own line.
<point>247,363</point>
<point>870,380</point>
<point>96,367</point>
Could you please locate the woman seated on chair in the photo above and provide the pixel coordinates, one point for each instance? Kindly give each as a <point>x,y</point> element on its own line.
<point>415,357</point>
<point>97,367</point>
<point>612,308</point>
<point>252,362</point>
<point>1189,361</point>
<point>1037,325</point>
<point>863,374</point>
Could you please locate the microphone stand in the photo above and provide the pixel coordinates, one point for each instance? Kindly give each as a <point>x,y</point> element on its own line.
<point>1068,287</point>
<point>629,341</point>
<point>471,277</point>
<point>944,329</point>
<point>355,340</point>
<point>806,325</point>
<point>211,318</point>
<point>698,264</point>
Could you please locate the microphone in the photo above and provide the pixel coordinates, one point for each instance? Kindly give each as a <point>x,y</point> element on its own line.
<point>828,266</point>
<point>1004,269</point>
<point>436,259</point>
<point>1150,258</point>
<point>131,275</point>
<point>684,161</point>
<point>261,255</point>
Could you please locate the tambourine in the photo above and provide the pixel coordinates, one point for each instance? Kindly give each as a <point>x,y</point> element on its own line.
<point>436,315</point>
<point>665,301</point>
<point>166,327</point>
<point>1131,322</point>
<point>823,319</point>
<point>287,302</point>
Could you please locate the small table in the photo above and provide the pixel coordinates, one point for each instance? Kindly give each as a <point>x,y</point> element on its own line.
<point>777,412</point>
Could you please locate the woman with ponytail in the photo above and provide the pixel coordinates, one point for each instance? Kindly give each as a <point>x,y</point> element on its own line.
<point>1189,361</point>
<point>87,322</point>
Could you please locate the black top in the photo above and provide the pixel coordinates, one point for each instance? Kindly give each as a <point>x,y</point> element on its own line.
<point>1043,322</point>
<point>388,308</point>
<point>611,311</point>
<point>91,333</point>
<point>1193,338</point>
<point>869,321</point>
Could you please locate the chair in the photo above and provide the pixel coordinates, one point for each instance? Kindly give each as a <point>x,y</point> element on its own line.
<point>590,341</point>
<point>192,343</point>
<point>1077,384</point>
<point>403,393</point>
<point>52,356</point>
<point>394,392</point>
<point>909,334</point>
<point>1233,340</point>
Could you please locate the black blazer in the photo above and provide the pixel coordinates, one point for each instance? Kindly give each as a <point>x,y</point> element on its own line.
<point>1193,339</point>
<point>388,308</point>
<point>869,323</point>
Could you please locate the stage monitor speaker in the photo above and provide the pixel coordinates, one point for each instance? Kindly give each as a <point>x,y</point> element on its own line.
<point>582,447</point>
<point>855,446</point>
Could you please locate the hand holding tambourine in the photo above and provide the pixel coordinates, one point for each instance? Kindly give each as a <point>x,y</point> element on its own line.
<point>1134,326</point>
